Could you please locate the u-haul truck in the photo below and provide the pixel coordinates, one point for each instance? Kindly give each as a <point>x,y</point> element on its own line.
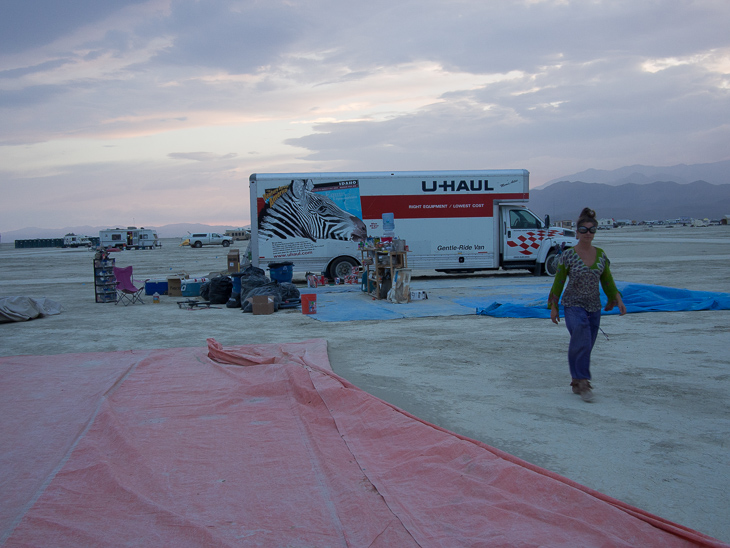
<point>451,220</point>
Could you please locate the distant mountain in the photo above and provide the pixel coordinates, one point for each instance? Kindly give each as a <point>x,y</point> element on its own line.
<point>717,173</point>
<point>179,230</point>
<point>653,201</point>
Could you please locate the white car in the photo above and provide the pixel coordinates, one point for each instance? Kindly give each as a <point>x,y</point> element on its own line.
<point>209,238</point>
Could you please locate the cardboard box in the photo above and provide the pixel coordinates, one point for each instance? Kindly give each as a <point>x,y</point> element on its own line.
<point>261,304</point>
<point>174,287</point>
<point>418,295</point>
<point>234,261</point>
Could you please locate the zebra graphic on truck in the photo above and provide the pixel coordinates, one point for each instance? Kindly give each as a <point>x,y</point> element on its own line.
<point>301,220</point>
<point>297,210</point>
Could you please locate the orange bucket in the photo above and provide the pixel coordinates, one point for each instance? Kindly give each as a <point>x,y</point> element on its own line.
<point>309,303</point>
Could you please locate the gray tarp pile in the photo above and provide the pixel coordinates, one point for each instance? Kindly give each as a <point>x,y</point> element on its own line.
<point>21,309</point>
<point>255,282</point>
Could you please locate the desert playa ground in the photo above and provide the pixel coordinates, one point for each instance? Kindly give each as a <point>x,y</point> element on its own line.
<point>656,435</point>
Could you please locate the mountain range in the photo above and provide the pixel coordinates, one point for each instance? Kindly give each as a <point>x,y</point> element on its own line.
<point>716,173</point>
<point>660,200</point>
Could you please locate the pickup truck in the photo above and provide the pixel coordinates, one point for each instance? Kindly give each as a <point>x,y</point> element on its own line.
<point>209,238</point>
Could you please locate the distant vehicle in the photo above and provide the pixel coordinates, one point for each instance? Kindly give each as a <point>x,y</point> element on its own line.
<point>76,240</point>
<point>129,238</point>
<point>208,238</point>
<point>606,224</point>
<point>239,233</point>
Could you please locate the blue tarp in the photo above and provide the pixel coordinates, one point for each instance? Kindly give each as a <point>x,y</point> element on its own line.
<point>524,300</point>
<point>636,297</point>
<point>344,306</point>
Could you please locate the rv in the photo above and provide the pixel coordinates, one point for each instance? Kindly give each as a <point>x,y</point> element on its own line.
<point>451,221</point>
<point>239,233</point>
<point>74,240</point>
<point>129,238</point>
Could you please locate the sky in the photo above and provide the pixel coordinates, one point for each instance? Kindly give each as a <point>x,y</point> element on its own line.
<point>146,113</point>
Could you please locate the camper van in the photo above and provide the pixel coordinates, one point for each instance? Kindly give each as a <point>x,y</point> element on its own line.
<point>451,221</point>
<point>76,240</point>
<point>129,238</point>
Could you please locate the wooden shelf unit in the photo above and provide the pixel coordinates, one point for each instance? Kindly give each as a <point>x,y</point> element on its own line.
<point>381,273</point>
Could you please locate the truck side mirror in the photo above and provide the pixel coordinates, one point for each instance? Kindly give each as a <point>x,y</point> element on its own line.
<point>547,221</point>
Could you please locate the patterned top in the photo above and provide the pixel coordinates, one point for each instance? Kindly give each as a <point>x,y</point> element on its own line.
<point>583,281</point>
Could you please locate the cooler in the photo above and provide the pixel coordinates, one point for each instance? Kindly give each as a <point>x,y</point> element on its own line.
<point>155,286</point>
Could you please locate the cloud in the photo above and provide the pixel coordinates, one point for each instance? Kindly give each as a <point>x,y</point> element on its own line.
<point>237,37</point>
<point>30,24</point>
<point>159,195</point>
<point>40,68</point>
<point>201,156</point>
<point>596,111</point>
<point>229,87</point>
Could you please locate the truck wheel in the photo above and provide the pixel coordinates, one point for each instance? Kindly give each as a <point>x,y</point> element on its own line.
<point>341,267</point>
<point>197,244</point>
<point>551,263</point>
<point>226,243</point>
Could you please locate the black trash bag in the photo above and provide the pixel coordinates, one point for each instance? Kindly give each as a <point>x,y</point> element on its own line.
<point>252,283</point>
<point>250,280</point>
<point>205,290</point>
<point>252,271</point>
<point>272,288</point>
<point>220,291</point>
<point>289,292</point>
<point>234,301</point>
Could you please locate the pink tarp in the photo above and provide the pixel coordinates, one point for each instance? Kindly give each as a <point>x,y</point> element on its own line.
<point>185,447</point>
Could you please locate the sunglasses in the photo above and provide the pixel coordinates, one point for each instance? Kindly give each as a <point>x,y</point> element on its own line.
<point>584,229</point>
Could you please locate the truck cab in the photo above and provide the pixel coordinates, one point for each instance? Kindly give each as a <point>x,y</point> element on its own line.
<point>528,242</point>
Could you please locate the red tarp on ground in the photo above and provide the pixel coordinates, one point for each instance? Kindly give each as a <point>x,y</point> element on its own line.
<point>178,448</point>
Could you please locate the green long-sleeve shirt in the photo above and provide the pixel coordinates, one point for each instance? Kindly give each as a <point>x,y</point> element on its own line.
<point>583,281</point>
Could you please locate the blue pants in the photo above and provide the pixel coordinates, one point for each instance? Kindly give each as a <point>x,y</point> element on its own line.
<point>583,328</point>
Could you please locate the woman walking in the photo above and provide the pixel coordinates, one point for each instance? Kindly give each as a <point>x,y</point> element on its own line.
<point>584,266</point>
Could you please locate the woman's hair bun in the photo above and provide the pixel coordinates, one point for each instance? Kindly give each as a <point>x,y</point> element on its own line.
<point>587,216</point>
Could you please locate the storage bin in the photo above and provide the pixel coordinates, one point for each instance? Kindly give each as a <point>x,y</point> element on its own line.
<point>281,272</point>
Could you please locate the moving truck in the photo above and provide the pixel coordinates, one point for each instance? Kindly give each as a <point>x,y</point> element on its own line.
<point>460,221</point>
<point>130,237</point>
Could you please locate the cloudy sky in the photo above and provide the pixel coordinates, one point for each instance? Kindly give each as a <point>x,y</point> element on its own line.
<point>151,112</point>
